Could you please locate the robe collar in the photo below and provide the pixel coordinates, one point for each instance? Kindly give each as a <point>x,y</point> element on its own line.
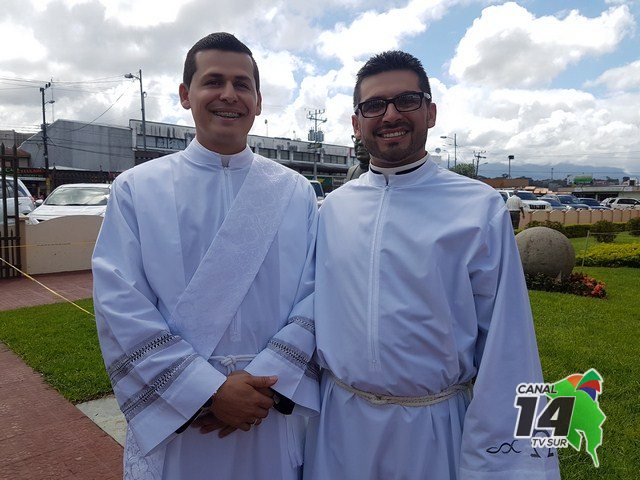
<point>418,171</point>
<point>196,153</point>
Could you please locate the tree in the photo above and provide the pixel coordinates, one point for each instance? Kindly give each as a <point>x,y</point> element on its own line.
<point>466,169</point>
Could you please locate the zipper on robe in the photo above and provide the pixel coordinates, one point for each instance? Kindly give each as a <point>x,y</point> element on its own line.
<point>228,197</point>
<point>374,285</point>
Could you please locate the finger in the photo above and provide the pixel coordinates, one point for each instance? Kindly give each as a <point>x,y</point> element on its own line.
<point>226,431</point>
<point>266,391</point>
<point>209,428</point>
<point>261,382</point>
<point>245,427</point>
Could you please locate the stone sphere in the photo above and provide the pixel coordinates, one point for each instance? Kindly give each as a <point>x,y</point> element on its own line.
<point>547,251</point>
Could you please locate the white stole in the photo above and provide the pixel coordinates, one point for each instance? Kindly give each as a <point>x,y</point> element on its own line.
<point>213,296</point>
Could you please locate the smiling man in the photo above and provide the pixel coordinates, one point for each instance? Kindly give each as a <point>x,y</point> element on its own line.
<point>203,276</point>
<point>423,324</point>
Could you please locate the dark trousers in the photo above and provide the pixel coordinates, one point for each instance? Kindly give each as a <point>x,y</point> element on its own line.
<point>515,218</point>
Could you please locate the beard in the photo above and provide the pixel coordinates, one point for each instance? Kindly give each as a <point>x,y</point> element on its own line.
<point>393,154</point>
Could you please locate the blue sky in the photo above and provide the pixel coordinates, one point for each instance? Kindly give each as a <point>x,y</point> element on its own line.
<point>550,82</point>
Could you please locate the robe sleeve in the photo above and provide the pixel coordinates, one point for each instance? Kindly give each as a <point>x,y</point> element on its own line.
<point>289,354</point>
<point>506,355</point>
<point>158,378</point>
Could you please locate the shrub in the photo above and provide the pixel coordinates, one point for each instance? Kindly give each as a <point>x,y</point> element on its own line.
<point>577,284</point>
<point>549,224</point>
<point>604,231</point>
<point>576,231</point>
<point>611,255</point>
<point>633,226</point>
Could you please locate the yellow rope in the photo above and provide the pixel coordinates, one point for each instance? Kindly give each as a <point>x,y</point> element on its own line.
<point>47,288</point>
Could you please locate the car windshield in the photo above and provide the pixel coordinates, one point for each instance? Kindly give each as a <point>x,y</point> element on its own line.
<point>318,188</point>
<point>552,201</point>
<point>527,196</point>
<point>78,196</point>
<point>590,201</point>
<point>568,199</point>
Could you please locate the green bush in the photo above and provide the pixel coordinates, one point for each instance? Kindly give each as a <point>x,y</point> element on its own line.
<point>633,226</point>
<point>611,255</point>
<point>576,230</point>
<point>549,224</point>
<point>604,231</point>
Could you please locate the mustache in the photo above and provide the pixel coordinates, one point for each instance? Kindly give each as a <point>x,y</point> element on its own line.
<point>388,126</point>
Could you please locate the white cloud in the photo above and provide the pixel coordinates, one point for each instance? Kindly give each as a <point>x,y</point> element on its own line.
<point>30,50</point>
<point>373,32</point>
<point>622,78</point>
<point>509,46</point>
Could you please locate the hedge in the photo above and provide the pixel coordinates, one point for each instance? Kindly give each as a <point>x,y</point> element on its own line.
<point>611,255</point>
<point>575,230</point>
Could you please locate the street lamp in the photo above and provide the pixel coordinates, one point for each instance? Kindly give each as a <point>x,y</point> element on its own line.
<point>455,147</point>
<point>142,95</point>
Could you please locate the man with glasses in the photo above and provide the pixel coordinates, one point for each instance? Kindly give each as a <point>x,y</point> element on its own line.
<point>423,324</point>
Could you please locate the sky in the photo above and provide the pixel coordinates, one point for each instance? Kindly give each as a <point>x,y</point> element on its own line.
<point>554,83</point>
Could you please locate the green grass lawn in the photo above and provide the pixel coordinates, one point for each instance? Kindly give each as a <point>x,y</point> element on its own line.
<point>61,343</point>
<point>578,333</point>
<point>574,334</point>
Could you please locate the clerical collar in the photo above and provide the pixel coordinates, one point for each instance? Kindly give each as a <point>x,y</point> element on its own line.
<point>202,155</point>
<point>388,171</point>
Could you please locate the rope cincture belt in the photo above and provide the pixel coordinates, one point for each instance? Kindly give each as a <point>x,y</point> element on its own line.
<point>423,401</point>
<point>229,361</point>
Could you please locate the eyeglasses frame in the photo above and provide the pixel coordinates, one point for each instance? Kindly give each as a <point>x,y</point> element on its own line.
<point>423,96</point>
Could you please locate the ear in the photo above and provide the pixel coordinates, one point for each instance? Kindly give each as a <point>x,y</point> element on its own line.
<point>431,115</point>
<point>183,91</point>
<point>259,105</point>
<point>355,122</point>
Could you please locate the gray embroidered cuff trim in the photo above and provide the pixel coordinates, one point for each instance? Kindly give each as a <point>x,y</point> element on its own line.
<point>125,363</point>
<point>158,385</point>
<point>305,323</point>
<point>290,353</point>
<point>312,371</point>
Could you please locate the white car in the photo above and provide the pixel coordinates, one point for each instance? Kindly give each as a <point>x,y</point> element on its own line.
<point>25,200</point>
<point>620,203</point>
<point>73,199</point>
<point>529,200</point>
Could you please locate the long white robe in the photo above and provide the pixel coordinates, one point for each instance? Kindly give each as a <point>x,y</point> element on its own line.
<point>419,287</point>
<point>161,219</point>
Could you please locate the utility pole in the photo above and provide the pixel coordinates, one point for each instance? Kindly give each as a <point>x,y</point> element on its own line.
<point>511,157</point>
<point>44,139</point>
<point>478,157</point>
<point>142,95</point>
<point>317,137</point>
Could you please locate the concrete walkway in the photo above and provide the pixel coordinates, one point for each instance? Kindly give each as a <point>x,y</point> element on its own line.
<point>42,435</point>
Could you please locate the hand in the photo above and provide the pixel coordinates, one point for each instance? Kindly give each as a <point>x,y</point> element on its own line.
<point>241,401</point>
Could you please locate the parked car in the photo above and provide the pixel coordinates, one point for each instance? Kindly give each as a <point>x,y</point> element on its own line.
<point>317,186</point>
<point>573,202</point>
<point>620,203</point>
<point>25,200</point>
<point>593,204</point>
<point>529,200</point>
<point>73,199</point>
<point>555,203</point>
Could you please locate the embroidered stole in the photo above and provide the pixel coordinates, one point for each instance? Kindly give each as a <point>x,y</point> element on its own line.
<point>213,296</point>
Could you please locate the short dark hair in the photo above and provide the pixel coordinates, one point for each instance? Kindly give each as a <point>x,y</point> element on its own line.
<point>217,41</point>
<point>388,61</point>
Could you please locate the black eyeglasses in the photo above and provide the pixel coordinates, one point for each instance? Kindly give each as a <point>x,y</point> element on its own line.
<point>405,102</point>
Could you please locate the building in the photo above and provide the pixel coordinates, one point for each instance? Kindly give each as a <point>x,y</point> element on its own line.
<point>94,152</point>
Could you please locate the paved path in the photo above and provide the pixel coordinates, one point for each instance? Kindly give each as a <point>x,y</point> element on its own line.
<point>42,435</point>
<point>22,292</point>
